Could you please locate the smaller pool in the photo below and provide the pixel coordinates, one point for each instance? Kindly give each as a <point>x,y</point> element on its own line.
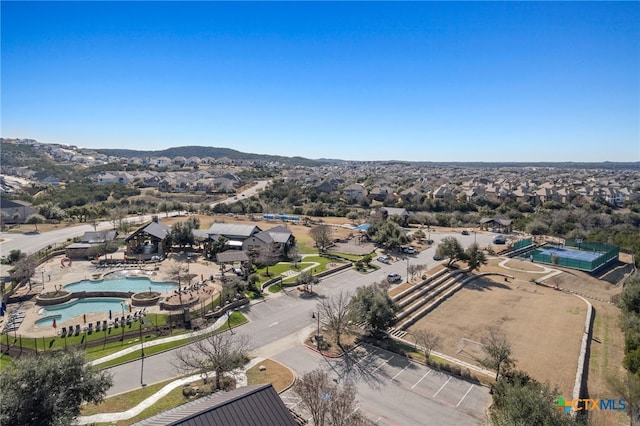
<point>136,285</point>
<point>66,311</point>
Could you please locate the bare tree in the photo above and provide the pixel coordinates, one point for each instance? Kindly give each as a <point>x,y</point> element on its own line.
<point>336,314</point>
<point>498,351</point>
<point>219,353</point>
<point>24,269</point>
<point>420,268</point>
<point>322,236</point>
<point>267,255</point>
<point>427,340</point>
<point>177,271</point>
<point>327,402</point>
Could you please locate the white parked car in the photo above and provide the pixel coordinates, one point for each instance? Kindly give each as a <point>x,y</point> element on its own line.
<point>392,278</point>
<point>384,259</point>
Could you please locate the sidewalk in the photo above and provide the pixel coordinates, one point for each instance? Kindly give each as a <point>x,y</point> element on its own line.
<point>240,376</point>
<point>219,323</point>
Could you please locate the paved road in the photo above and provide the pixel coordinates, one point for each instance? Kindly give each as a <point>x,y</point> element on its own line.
<point>394,390</point>
<point>32,242</point>
<point>275,328</point>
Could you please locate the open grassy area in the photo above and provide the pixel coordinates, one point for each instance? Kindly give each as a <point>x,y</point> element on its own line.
<point>123,402</point>
<point>5,361</point>
<point>275,373</point>
<point>235,319</point>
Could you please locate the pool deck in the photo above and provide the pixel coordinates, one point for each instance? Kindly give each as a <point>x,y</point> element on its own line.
<point>57,276</point>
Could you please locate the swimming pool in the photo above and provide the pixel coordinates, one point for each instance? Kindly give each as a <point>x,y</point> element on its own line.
<point>66,311</point>
<point>136,285</point>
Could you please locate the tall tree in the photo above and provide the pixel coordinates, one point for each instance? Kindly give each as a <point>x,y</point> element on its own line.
<point>322,236</point>
<point>217,246</point>
<point>373,304</point>
<point>388,234</point>
<point>49,390</point>
<point>182,232</point>
<point>267,255</point>
<point>427,340</point>
<point>218,353</point>
<point>475,257</point>
<point>336,315</point>
<point>24,270</point>
<point>450,248</point>
<point>35,219</point>
<point>328,403</point>
<point>519,400</point>
<point>498,352</point>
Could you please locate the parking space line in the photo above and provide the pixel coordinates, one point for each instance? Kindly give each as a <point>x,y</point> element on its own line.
<point>425,375</point>
<point>443,385</point>
<point>400,372</point>
<point>367,356</point>
<point>465,395</point>
<point>382,364</point>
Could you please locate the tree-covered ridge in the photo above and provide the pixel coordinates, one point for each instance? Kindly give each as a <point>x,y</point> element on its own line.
<point>207,151</point>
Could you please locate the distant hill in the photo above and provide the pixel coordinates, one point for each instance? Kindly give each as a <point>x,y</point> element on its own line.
<point>207,151</point>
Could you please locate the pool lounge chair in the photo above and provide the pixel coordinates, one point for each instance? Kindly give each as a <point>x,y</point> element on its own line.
<point>63,333</point>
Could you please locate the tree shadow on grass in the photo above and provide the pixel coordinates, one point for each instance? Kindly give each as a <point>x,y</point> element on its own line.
<point>485,284</point>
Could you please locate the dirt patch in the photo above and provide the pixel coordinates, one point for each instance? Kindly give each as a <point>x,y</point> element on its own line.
<point>269,371</point>
<point>544,326</point>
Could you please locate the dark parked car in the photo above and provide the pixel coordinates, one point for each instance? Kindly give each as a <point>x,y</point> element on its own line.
<point>465,232</point>
<point>499,239</point>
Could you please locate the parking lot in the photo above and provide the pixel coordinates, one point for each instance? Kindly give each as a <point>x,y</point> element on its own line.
<point>395,390</point>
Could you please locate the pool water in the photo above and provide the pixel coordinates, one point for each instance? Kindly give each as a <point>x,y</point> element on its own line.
<point>136,285</point>
<point>66,311</point>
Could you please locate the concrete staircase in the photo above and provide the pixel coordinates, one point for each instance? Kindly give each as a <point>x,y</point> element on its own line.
<point>417,301</point>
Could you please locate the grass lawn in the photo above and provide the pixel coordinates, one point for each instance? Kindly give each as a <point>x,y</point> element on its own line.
<point>235,319</point>
<point>173,399</point>
<point>123,402</point>
<point>5,361</point>
<point>275,373</point>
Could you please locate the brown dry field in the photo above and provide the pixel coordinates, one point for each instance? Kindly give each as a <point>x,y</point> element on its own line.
<point>543,325</point>
<point>605,362</point>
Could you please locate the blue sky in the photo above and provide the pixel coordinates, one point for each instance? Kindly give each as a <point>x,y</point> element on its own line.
<point>358,81</point>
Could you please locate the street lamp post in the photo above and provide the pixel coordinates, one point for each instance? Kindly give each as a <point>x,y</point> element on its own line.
<point>407,269</point>
<point>121,324</point>
<point>141,353</point>
<point>228,312</point>
<point>313,315</point>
